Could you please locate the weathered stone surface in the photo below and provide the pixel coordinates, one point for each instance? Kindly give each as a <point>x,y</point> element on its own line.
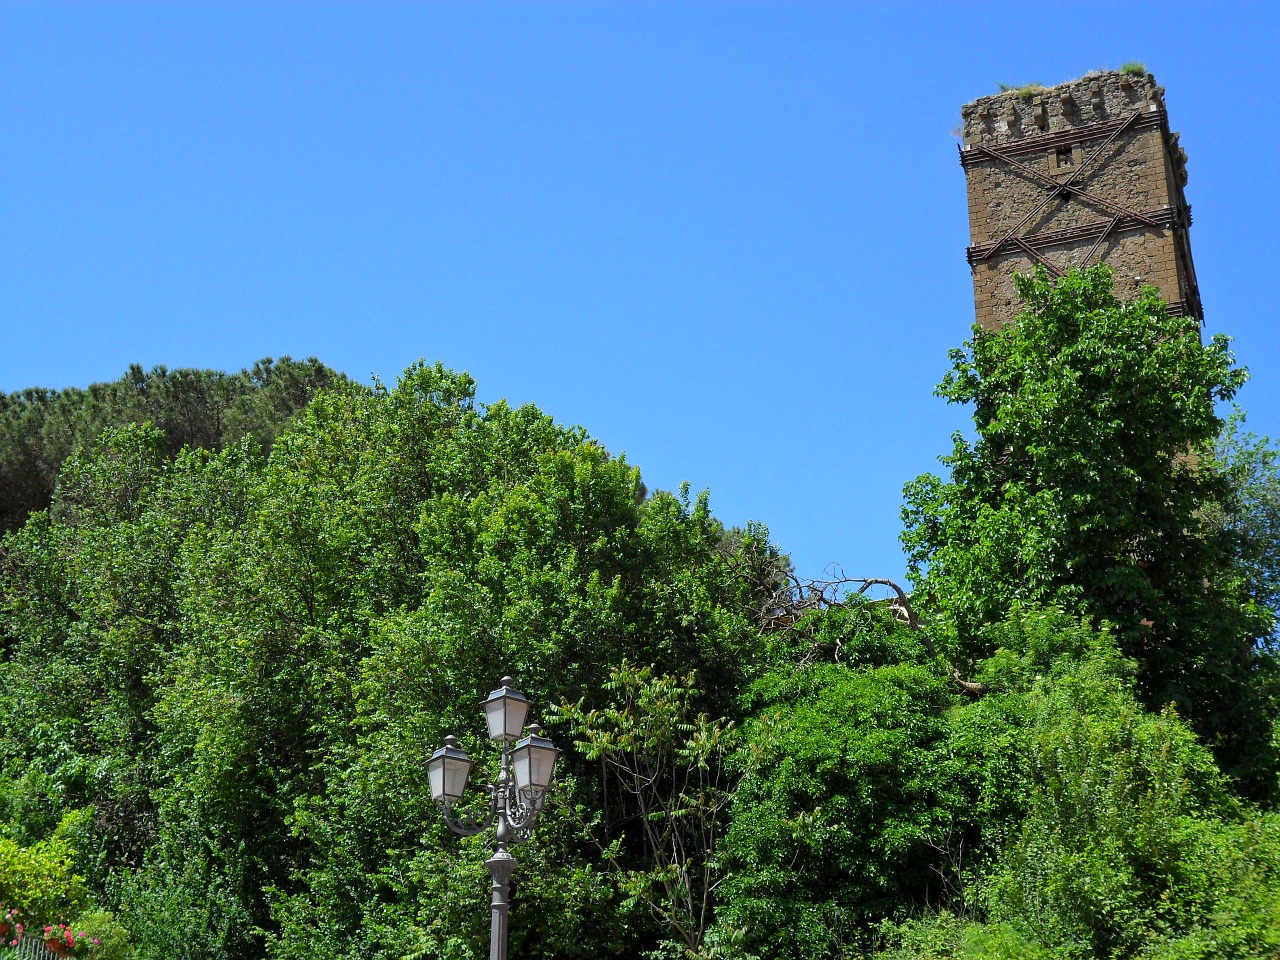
<point>1048,136</point>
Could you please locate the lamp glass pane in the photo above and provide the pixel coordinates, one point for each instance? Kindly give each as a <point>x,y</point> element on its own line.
<point>494,713</point>
<point>447,771</point>
<point>520,766</point>
<point>455,777</point>
<point>544,766</point>
<point>435,773</point>
<point>517,711</point>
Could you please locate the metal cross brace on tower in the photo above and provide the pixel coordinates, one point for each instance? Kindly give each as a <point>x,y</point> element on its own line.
<point>1123,217</point>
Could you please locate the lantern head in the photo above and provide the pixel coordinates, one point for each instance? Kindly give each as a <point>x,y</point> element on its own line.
<point>447,770</point>
<point>534,761</point>
<point>505,710</point>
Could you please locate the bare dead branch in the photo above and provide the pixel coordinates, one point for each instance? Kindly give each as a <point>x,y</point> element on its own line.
<point>795,597</point>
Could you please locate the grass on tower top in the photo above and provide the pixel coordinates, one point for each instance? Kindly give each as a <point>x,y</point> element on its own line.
<point>1026,91</point>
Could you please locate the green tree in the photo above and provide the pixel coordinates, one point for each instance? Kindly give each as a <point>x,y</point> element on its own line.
<point>40,428</point>
<point>666,794</point>
<point>835,824</point>
<point>1088,484</point>
<point>40,880</point>
<point>501,543</point>
<point>1090,826</point>
<point>1251,514</point>
<point>228,658</point>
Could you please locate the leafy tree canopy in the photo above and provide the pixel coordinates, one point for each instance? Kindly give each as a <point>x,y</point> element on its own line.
<point>227,653</point>
<point>40,428</point>
<point>238,664</point>
<point>1088,483</point>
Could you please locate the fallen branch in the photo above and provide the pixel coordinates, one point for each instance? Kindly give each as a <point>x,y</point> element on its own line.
<point>796,597</point>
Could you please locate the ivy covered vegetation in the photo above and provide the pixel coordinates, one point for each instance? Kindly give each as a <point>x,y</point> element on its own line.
<point>227,654</point>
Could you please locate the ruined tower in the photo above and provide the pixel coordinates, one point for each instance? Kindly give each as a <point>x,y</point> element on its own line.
<point>1069,175</point>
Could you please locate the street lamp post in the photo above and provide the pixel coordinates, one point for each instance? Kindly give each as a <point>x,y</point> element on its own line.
<point>515,798</point>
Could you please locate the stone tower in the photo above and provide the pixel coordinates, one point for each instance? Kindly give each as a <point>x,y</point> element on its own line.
<point>1070,175</point>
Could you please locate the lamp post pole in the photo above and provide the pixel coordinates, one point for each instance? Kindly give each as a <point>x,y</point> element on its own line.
<point>515,798</point>
<point>501,865</point>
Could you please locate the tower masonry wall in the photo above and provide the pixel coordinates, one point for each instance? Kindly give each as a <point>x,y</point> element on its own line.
<point>1069,175</point>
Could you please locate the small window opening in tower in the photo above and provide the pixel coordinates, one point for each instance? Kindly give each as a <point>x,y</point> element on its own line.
<point>1065,158</point>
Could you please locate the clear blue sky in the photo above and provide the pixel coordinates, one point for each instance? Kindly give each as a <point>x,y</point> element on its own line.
<point>726,238</point>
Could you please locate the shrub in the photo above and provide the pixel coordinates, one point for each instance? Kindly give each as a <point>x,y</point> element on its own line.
<point>40,880</point>
<point>832,826</point>
<point>110,933</point>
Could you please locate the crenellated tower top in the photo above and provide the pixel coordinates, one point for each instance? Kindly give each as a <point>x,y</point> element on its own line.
<point>1069,175</point>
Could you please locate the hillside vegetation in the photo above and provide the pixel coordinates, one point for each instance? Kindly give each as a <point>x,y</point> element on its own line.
<point>228,653</point>
<point>40,428</point>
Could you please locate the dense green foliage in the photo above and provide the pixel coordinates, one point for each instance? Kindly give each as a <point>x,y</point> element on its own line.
<point>226,658</point>
<point>1116,835</point>
<point>1250,516</point>
<point>1090,484</point>
<point>665,789</point>
<point>39,880</point>
<point>238,665</point>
